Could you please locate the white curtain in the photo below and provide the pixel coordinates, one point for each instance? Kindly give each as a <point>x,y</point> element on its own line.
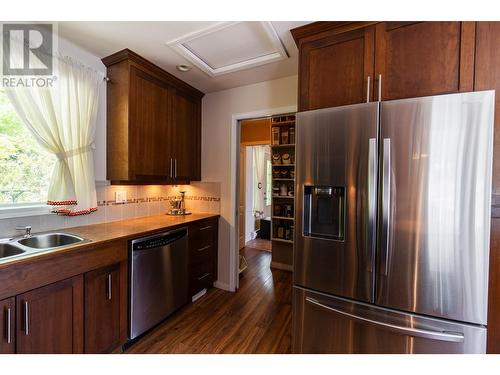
<point>62,119</point>
<point>259,170</point>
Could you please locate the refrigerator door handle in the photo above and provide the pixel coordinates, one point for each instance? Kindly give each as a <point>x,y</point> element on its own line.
<point>386,202</point>
<point>372,200</point>
<point>409,331</point>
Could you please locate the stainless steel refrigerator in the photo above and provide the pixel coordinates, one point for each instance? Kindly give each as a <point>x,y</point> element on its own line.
<point>393,226</point>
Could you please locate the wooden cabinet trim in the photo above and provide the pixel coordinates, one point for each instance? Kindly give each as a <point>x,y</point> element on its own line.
<point>127,54</point>
<point>321,29</point>
<point>467,56</point>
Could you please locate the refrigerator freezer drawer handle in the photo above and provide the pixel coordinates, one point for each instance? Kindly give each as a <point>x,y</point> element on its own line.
<point>415,332</point>
<point>386,202</point>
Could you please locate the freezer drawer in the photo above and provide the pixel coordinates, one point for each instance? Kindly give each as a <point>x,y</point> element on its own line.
<point>325,324</point>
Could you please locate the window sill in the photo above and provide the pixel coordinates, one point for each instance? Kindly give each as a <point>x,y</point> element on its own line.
<point>34,209</point>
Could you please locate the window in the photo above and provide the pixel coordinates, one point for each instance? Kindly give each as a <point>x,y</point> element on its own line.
<point>25,167</point>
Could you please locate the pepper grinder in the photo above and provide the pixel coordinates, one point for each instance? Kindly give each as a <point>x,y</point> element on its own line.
<point>183,203</point>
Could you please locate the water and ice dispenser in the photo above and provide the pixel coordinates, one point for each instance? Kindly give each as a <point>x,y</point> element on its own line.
<point>324,212</point>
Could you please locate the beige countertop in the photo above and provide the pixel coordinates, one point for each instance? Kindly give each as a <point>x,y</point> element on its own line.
<point>132,228</point>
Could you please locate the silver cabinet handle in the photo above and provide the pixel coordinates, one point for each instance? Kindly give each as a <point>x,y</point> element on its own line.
<point>175,167</point>
<point>8,322</point>
<point>368,89</point>
<point>207,227</point>
<point>386,202</point>
<point>202,277</point>
<point>379,87</point>
<point>372,201</point>
<point>26,318</point>
<point>110,286</point>
<point>204,248</point>
<point>415,332</point>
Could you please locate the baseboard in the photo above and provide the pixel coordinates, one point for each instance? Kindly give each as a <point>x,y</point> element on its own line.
<point>222,286</point>
<point>282,266</point>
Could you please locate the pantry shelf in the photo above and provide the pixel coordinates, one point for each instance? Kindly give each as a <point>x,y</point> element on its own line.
<point>283,182</point>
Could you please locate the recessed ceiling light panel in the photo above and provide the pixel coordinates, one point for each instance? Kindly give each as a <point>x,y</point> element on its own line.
<point>231,46</point>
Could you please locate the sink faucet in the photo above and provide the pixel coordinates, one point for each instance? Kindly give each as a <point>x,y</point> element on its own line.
<point>27,231</point>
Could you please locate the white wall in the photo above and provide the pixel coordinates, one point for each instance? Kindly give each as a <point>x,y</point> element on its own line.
<point>67,48</point>
<point>219,149</point>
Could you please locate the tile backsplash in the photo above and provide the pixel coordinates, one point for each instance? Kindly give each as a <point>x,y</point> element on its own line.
<point>141,201</point>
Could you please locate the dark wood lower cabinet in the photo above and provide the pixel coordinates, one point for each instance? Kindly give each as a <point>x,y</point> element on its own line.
<point>7,326</point>
<point>86,311</point>
<point>202,255</point>
<point>102,309</point>
<point>50,319</point>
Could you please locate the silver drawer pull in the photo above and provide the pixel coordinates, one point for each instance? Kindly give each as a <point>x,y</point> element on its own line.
<point>207,227</point>
<point>26,318</point>
<point>110,286</point>
<point>202,277</point>
<point>9,326</point>
<point>205,248</point>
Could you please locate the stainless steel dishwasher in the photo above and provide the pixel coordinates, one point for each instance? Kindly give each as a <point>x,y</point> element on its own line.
<point>158,278</point>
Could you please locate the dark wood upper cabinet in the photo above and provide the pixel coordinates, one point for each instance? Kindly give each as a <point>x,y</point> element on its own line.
<point>153,123</point>
<point>150,111</point>
<point>50,319</point>
<point>7,326</point>
<point>186,133</point>
<point>413,59</point>
<point>102,309</point>
<point>424,58</point>
<point>334,69</point>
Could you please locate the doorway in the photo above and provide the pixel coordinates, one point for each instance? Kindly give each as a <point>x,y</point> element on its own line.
<point>255,187</point>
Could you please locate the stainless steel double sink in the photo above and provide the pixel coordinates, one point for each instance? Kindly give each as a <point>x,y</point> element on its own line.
<point>42,242</point>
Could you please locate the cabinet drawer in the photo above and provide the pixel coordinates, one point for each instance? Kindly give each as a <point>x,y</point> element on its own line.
<point>201,276</point>
<point>204,228</point>
<point>201,252</point>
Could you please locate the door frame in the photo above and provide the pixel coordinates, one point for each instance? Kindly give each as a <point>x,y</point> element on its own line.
<point>235,184</point>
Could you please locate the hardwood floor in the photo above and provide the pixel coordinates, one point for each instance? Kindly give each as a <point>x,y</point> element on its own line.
<point>260,244</point>
<point>255,319</point>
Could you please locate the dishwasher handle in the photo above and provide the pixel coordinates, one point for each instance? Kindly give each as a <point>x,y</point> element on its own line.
<point>159,240</point>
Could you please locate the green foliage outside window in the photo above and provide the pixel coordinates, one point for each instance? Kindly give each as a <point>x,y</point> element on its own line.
<point>25,167</point>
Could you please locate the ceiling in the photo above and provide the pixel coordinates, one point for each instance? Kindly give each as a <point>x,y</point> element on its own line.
<point>149,39</point>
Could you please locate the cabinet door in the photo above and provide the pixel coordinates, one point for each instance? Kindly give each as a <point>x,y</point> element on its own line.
<point>7,326</point>
<point>186,137</point>
<point>102,309</point>
<point>334,70</point>
<point>424,58</point>
<point>49,319</point>
<point>150,127</point>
